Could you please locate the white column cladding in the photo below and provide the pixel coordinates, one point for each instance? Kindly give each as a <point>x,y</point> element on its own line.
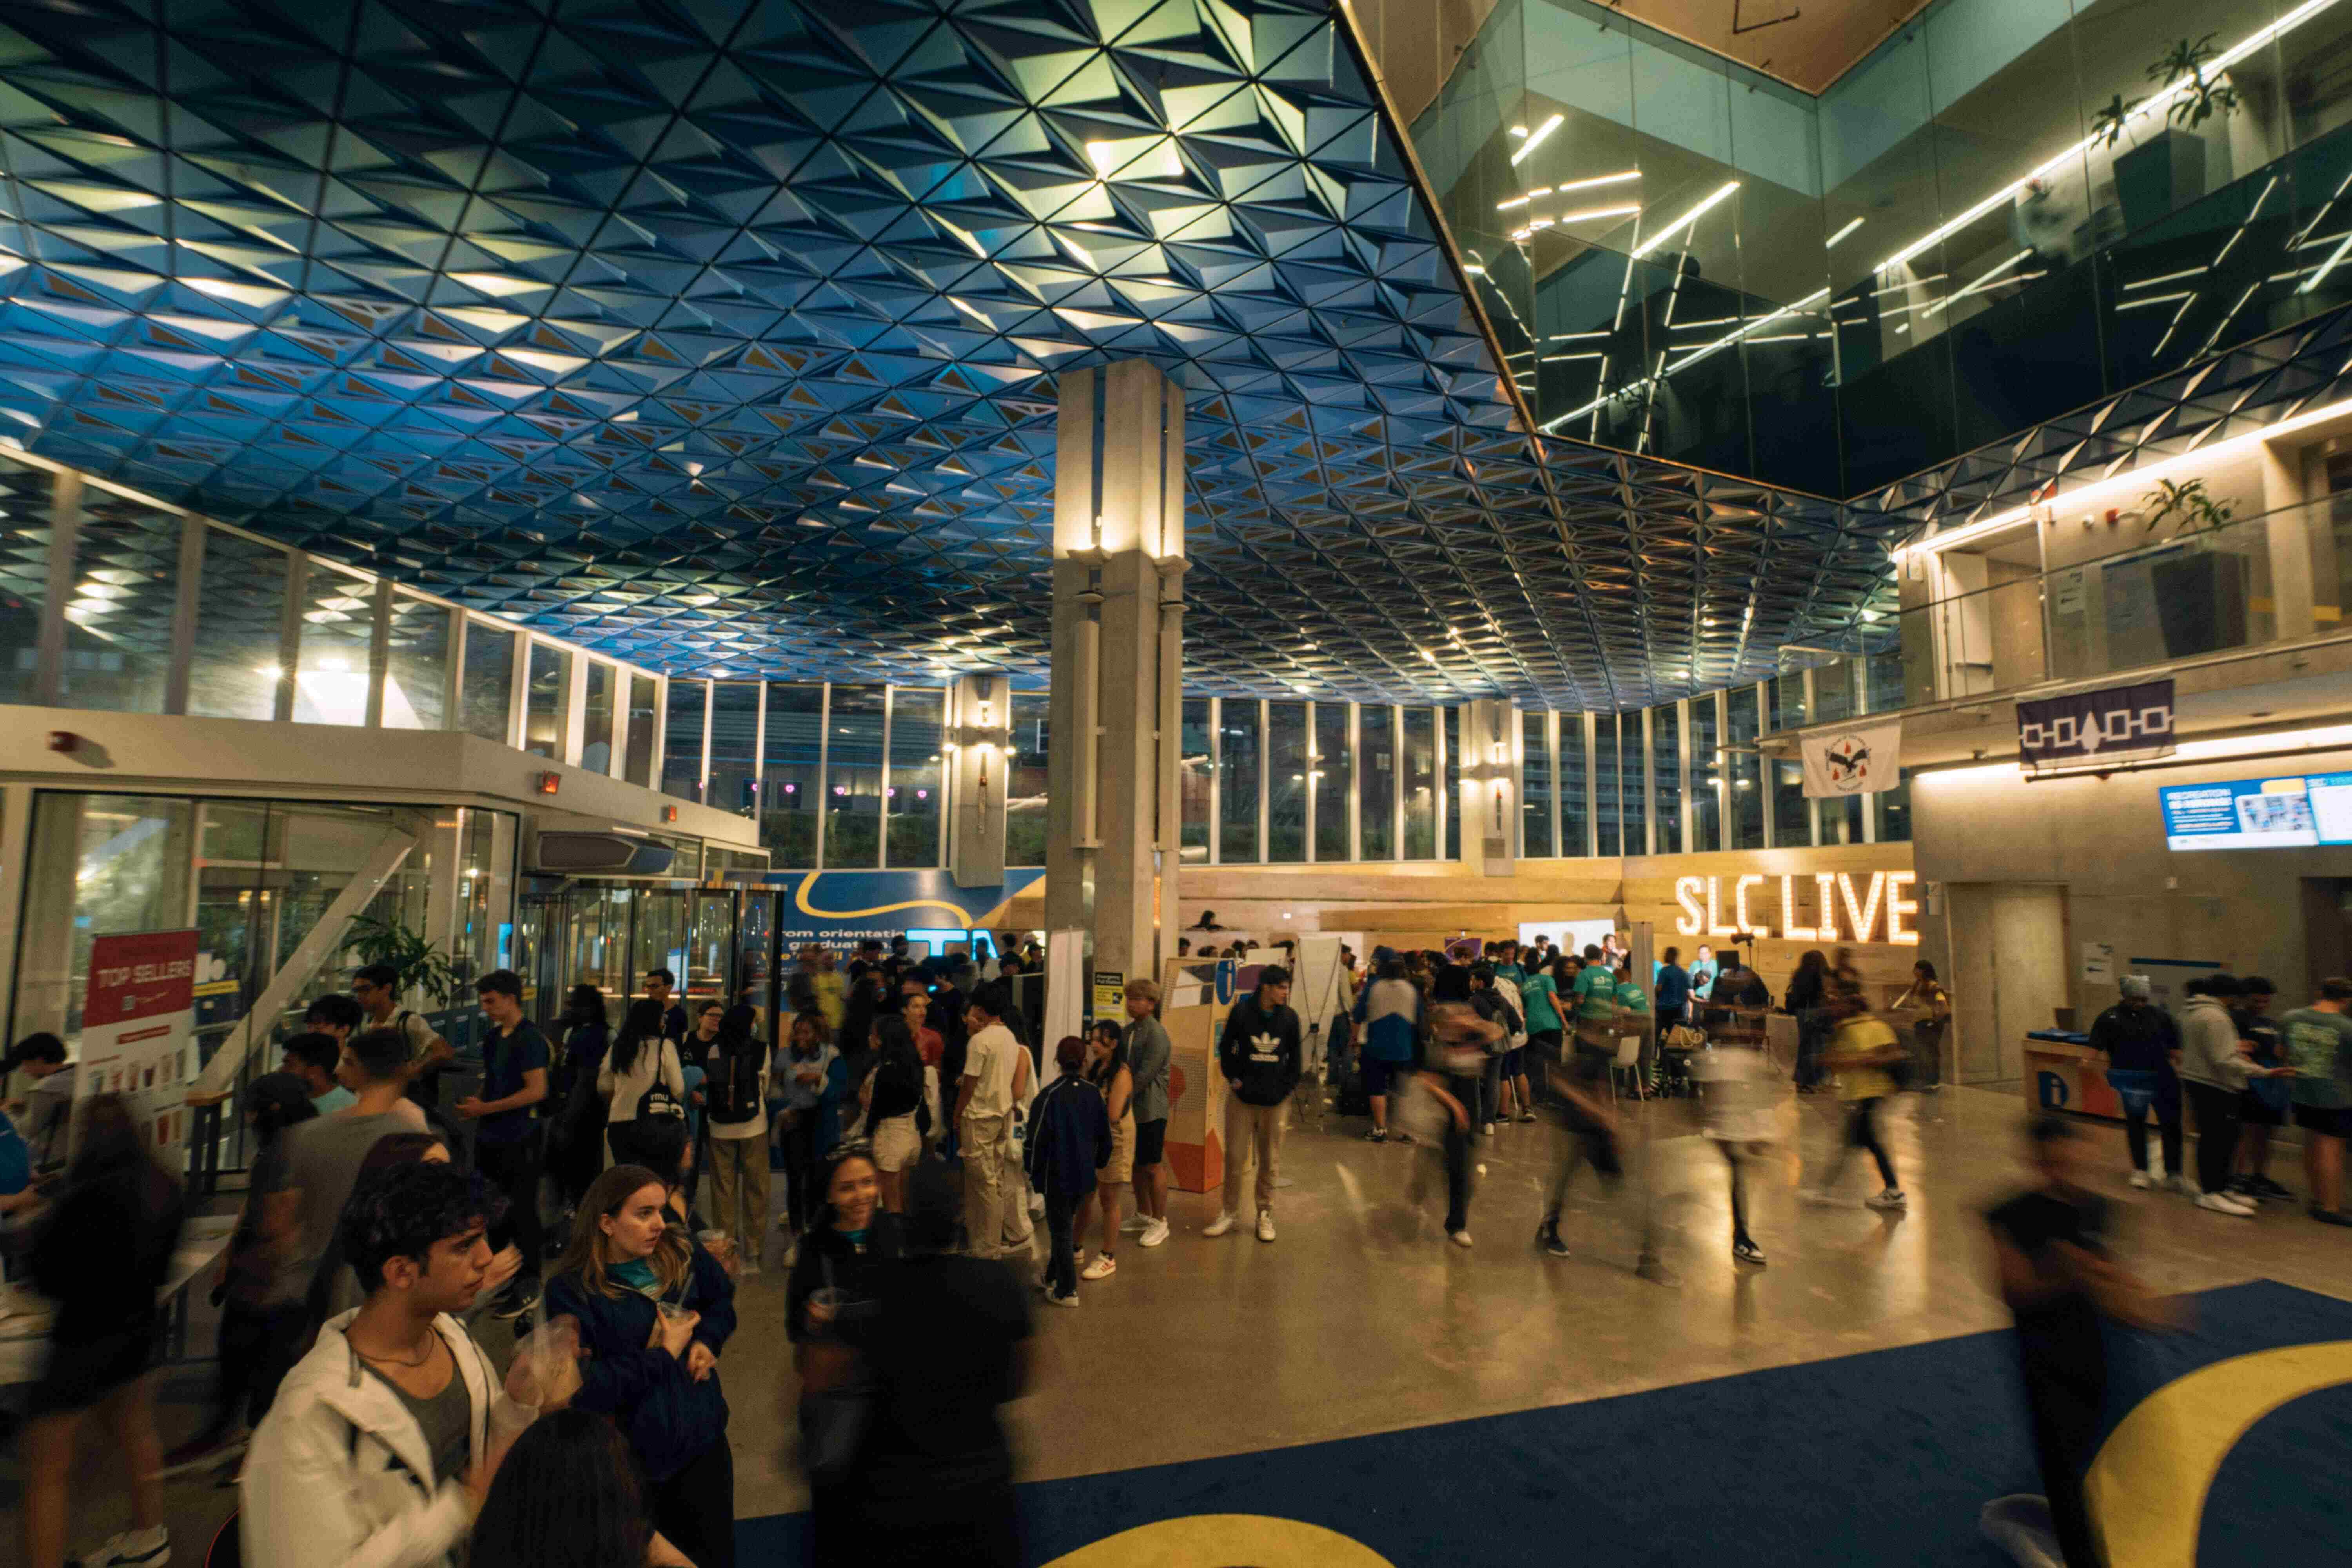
<point>1489,799</point>
<point>979,754</point>
<point>1114,814</point>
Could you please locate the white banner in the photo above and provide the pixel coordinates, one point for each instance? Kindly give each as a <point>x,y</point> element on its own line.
<point>1861,759</point>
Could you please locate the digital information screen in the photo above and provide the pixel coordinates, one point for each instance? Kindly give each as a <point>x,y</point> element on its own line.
<point>2259,813</point>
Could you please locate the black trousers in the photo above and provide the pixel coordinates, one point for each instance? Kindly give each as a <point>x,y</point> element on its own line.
<point>513,1169</point>
<point>694,1508</point>
<point>800,1169</point>
<point>1738,1190</point>
<point>2217,1134</point>
<point>1862,1132</point>
<point>254,1342</point>
<point>1458,1167</point>
<point>1062,1259</point>
<point>2064,1409</point>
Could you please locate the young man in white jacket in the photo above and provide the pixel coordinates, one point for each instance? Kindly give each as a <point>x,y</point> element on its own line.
<point>382,1440</point>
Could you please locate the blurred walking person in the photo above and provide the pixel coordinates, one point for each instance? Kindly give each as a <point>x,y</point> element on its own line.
<point>102,1254</point>
<point>1590,1133</point>
<point>1862,1052</point>
<point>1388,1015</point>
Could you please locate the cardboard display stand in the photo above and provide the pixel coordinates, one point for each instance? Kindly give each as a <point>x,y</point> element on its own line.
<point>1196,1090</point>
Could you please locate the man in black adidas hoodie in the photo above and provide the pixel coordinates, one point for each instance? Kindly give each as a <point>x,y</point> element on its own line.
<point>1259,1055</point>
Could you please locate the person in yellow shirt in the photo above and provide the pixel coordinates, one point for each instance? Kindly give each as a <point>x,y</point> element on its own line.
<point>1862,1051</point>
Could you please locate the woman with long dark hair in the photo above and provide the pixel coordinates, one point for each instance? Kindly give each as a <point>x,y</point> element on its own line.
<point>260,1303</point>
<point>655,1311</point>
<point>568,1495</point>
<point>1808,998</point>
<point>894,1092</point>
<point>641,1060</point>
<point>101,1254</point>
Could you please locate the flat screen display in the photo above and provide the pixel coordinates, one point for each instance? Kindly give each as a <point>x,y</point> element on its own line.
<point>2259,813</point>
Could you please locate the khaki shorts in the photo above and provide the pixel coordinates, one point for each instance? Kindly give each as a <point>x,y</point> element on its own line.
<point>896,1144</point>
<point>1122,1169</point>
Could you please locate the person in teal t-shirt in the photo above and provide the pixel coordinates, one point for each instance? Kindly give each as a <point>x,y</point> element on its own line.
<point>1596,988</point>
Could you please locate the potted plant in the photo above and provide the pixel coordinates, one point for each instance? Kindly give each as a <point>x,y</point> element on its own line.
<point>2200,592</point>
<point>2167,169</point>
<point>423,966</point>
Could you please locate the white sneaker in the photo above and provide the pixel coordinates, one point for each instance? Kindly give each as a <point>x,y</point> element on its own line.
<point>2139,1179</point>
<point>1892,1198</point>
<point>2222,1203</point>
<point>129,1549</point>
<point>1265,1225</point>
<point>1135,1222</point>
<point>1102,1268</point>
<point>1820,1198</point>
<point>1069,1300</point>
<point>1459,1239</point>
<point>1153,1233</point>
<point>1222,1224</point>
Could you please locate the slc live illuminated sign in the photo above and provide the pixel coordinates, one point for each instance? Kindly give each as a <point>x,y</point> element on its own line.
<point>1883,907</point>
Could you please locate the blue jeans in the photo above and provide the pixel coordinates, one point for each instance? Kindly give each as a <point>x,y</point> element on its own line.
<point>2141,1090</point>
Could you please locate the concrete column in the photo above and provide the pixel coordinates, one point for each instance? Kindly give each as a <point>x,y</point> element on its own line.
<point>980,716</point>
<point>1118,533</point>
<point>1489,799</point>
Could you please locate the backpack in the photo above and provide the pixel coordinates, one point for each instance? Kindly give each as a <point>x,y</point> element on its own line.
<point>657,1100</point>
<point>1515,1013</point>
<point>737,1095</point>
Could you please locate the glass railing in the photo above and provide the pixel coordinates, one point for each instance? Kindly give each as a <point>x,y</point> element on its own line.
<point>2076,598</point>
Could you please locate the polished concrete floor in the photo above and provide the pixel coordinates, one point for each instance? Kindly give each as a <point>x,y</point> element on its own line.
<point>1361,1318</point>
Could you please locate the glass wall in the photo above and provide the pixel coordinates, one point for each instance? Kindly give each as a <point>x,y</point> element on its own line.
<point>24,534</point>
<point>917,730</point>
<point>2001,212</point>
<point>1746,767</point>
<point>1285,781</point>
<point>682,739</point>
<point>734,747</point>
<point>598,715</point>
<point>1665,775</point>
<point>547,702</point>
<point>330,670</point>
<point>1792,815</point>
<point>789,790</point>
<point>1420,784</point>
<point>1024,788</point>
<point>1571,780</point>
<point>1451,798</point>
<point>416,664</point>
<point>1376,797</point>
<point>1633,789</point>
<point>1335,781</point>
<point>486,700</point>
<point>1606,838</point>
<point>257,879</point>
<point>239,657</point>
<point>1536,785</point>
<point>1706,773</point>
<point>644,707</point>
<point>118,620</point>
<point>1237,779</point>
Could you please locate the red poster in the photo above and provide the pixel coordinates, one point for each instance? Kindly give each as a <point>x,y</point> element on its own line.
<point>139,975</point>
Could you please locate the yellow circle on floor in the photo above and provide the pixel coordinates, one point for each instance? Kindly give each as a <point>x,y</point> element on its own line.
<point>1223,1539</point>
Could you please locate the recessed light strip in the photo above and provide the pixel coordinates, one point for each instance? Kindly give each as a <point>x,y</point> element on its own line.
<point>1535,139</point>
<point>1685,221</point>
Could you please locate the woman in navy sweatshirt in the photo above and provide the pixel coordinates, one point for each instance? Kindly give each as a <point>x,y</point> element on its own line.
<point>655,1311</point>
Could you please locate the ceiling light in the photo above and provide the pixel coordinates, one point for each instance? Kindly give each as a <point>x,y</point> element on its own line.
<point>1514,202</point>
<point>1841,234</point>
<point>1518,131</point>
<point>1619,178</point>
<point>1589,214</point>
<point>1535,137</point>
<point>1685,221</point>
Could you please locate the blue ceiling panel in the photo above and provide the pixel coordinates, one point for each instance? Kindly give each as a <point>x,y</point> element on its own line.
<point>724,336</point>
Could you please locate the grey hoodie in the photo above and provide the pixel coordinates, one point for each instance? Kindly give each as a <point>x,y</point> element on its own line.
<point>2209,1046</point>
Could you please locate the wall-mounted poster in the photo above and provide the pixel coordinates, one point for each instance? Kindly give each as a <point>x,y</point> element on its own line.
<point>136,1027</point>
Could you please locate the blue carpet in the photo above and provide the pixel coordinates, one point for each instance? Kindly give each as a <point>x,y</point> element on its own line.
<point>1878,1458</point>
